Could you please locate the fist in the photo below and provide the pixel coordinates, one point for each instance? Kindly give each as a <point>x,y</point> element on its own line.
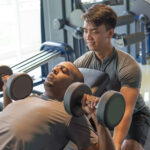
<point>89,103</point>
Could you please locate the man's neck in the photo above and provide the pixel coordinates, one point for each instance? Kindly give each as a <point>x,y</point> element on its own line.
<point>105,53</point>
<point>53,96</point>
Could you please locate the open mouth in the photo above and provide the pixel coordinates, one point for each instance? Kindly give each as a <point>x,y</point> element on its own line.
<point>49,80</point>
<point>90,43</point>
<point>47,84</point>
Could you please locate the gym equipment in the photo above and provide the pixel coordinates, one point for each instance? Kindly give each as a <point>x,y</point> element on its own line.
<point>109,110</point>
<point>76,32</point>
<point>1,106</point>
<point>18,85</point>
<point>97,84</point>
<point>4,70</point>
<point>49,50</point>
<point>125,19</point>
<point>122,40</point>
<point>86,5</point>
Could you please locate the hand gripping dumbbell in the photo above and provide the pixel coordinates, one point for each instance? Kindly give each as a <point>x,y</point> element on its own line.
<point>109,110</point>
<point>18,85</point>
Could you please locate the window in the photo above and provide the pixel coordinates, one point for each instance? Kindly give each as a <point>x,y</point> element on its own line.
<point>20,31</point>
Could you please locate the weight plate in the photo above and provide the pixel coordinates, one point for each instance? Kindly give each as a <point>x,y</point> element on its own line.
<point>111,108</point>
<point>73,96</point>
<point>19,86</point>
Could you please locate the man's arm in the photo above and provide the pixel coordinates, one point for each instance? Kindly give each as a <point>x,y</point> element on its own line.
<point>105,141</point>
<point>120,132</point>
<point>92,147</point>
<point>6,99</point>
<point>82,134</point>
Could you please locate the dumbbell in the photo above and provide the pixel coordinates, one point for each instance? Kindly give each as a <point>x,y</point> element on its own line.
<point>109,110</point>
<point>18,85</point>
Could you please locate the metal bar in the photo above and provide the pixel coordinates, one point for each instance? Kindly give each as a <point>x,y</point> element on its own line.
<point>126,19</point>
<point>134,38</point>
<point>38,64</point>
<point>33,60</point>
<point>39,59</point>
<point>34,57</point>
<point>143,47</point>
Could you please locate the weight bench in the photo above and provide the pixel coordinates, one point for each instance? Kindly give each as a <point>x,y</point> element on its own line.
<point>96,80</point>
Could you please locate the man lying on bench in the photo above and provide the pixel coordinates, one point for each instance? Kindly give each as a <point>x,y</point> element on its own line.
<point>36,124</point>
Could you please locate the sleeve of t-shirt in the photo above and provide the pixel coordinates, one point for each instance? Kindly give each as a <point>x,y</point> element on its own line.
<point>130,72</point>
<point>81,132</point>
<point>84,60</point>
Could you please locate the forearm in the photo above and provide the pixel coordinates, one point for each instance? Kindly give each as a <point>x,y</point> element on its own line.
<point>120,132</point>
<point>6,100</point>
<point>105,140</point>
<point>92,147</point>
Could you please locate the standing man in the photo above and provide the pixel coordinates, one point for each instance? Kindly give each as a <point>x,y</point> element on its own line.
<point>124,72</point>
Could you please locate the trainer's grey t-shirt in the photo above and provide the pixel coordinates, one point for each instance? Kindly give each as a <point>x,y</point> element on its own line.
<point>36,124</point>
<point>122,69</point>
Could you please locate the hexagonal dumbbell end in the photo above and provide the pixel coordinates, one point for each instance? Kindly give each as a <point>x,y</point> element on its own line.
<point>73,96</point>
<point>4,70</point>
<point>110,109</point>
<point>19,86</point>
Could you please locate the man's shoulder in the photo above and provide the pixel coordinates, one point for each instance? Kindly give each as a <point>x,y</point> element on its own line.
<point>84,59</point>
<point>125,59</point>
<point>124,55</point>
<point>129,70</point>
<point>85,55</point>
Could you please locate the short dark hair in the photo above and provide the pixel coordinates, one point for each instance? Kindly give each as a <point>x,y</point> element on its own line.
<point>101,14</point>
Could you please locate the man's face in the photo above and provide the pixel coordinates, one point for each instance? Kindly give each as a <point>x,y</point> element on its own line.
<point>96,37</point>
<point>60,78</point>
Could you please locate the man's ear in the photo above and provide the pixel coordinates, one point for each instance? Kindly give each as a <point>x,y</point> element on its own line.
<point>110,33</point>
